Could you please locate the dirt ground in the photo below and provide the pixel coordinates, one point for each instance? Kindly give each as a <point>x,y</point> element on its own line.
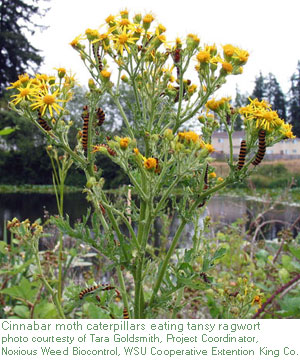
<point>293,166</point>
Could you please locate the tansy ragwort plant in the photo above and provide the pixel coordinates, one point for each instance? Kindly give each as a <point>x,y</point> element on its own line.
<point>163,159</point>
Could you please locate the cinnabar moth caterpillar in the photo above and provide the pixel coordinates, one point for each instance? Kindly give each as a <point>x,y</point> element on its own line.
<point>261,148</point>
<point>97,55</point>
<point>100,116</point>
<point>205,277</point>
<point>85,116</point>
<point>109,150</point>
<point>176,55</point>
<point>125,313</point>
<point>95,287</point>
<point>242,155</point>
<point>43,122</point>
<point>205,178</point>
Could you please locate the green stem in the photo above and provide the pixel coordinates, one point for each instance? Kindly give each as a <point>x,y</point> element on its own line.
<point>119,106</point>
<point>54,294</point>
<point>177,302</point>
<point>122,287</point>
<point>165,263</point>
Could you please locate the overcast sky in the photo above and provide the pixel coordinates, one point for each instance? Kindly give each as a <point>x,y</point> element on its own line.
<point>268,29</point>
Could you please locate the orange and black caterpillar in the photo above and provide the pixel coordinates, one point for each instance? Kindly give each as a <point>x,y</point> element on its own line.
<point>109,149</point>
<point>205,187</point>
<point>85,116</point>
<point>205,277</point>
<point>125,313</point>
<point>100,116</point>
<point>242,155</point>
<point>261,148</point>
<point>95,287</point>
<point>43,122</point>
<point>97,55</point>
<point>206,178</point>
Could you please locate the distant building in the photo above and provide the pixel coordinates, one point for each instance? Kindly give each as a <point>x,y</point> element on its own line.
<point>286,149</point>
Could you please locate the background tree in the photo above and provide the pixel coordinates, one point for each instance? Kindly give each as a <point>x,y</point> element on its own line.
<point>17,55</point>
<point>294,101</point>
<point>274,95</point>
<point>259,87</point>
<point>239,101</point>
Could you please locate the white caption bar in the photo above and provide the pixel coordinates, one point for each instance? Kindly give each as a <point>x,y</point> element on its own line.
<point>150,339</point>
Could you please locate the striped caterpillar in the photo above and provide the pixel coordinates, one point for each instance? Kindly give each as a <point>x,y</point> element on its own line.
<point>261,148</point>
<point>242,155</point>
<point>43,122</point>
<point>85,116</point>
<point>97,55</point>
<point>125,313</point>
<point>109,150</point>
<point>91,289</point>
<point>205,187</point>
<point>100,116</point>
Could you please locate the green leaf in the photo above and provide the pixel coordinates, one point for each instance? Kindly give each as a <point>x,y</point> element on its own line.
<point>3,247</point>
<point>25,290</point>
<point>295,251</point>
<point>7,131</point>
<point>95,312</point>
<point>45,310</point>
<point>219,253</point>
<point>22,311</point>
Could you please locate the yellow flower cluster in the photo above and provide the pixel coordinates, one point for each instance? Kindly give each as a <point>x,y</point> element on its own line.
<point>265,118</point>
<point>216,105</point>
<point>42,92</point>
<point>231,63</point>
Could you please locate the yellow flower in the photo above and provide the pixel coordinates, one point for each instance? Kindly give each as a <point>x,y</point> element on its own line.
<point>192,88</point>
<point>160,29</point>
<point>24,94</point>
<point>286,130</point>
<point>105,74</point>
<point>257,300</point>
<point>74,43</point>
<point>216,105</point>
<point>209,147</point>
<point>228,50</point>
<point>123,40</point>
<point>61,72</point>
<point>124,142</point>
<point>136,151</point>
<point>220,179</point>
<point>241,55</point>
<point>188,136</point>
<point>110,19</point>
<point>203,56</point>
<point>150,163</point>
<point>227,67</point>
<point>212,175</point>
<point>45,100</point>
<point>92,34</point>
<point>124,23</point>
<point>261,112</point>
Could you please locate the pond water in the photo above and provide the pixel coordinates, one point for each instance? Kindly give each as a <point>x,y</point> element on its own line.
<point>225,209</point>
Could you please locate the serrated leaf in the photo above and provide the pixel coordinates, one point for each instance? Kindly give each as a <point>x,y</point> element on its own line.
<point>45,310</point>
<point>22,311</point>
<point>295,252</point>
<point>95,312</point>
<point>25,290</point>
<point>219,253</point>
